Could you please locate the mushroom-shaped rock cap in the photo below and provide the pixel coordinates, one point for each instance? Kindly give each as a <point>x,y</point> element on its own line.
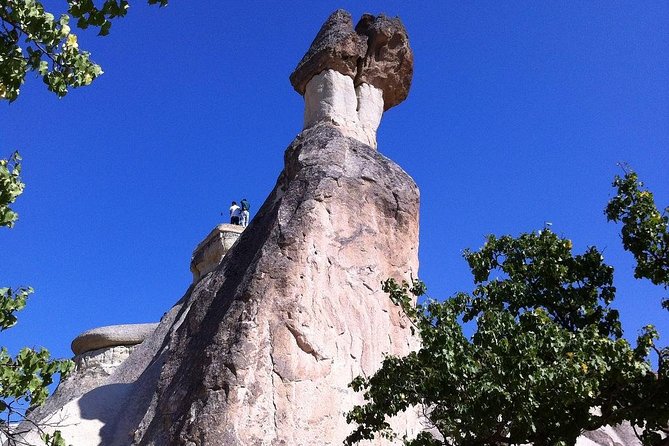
<point>388,63</point>
<point>376,52</point>
<point>336,46</point>
<point>112,336</point>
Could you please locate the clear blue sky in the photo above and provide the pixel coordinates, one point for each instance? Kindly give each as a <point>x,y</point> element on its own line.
<point>517,115</point>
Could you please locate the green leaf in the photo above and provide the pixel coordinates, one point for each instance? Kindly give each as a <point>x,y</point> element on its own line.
<point>51,50</point>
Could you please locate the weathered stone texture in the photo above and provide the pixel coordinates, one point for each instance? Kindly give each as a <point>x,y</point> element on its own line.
<point>388,61</point>
<point>100,363</point>
<point>210,251</point>
<point>295,310</point>
<point>331,98</point>
<point>336,46</point>
<point>92,407</point>
<point>376,52</point>
<point>261,350</point>
<point>111,336</point>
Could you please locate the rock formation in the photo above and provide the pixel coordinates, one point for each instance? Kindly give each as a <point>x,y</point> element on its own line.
<point>336,47</point>
<point>112,336</point>
<point>282,316</point>
<point>100,351</point>
<point>294,312</point>
<point>261,348</point>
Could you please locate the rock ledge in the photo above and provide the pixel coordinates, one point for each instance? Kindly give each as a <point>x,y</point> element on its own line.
<point>112,336</point>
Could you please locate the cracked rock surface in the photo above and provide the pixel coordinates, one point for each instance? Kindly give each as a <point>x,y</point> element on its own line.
<point>388,61</point>
<point>273,337</point>
<point>336,46</point>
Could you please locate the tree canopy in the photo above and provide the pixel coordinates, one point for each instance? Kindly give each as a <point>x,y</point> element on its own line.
<point>547,360</point>
<point>33,39</point>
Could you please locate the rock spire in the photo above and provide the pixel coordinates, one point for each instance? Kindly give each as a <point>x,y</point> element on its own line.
<point>350,76</point>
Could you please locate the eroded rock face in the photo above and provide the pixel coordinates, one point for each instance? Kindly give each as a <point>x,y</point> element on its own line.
<point>330,97</point>
<point>273,337</point>
<point>261,350</point>
<point>102,362</point>
<point>349,77</point>
<point>376,52</point>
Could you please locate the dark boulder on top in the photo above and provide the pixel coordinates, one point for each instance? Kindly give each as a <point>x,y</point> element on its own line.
<point>376,52</point>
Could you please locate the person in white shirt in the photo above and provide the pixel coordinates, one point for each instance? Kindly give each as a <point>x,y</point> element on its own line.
<point>235,213</point>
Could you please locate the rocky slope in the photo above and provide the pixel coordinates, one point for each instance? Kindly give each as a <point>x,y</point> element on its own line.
<point>261,350</point>
<point>272,339</point>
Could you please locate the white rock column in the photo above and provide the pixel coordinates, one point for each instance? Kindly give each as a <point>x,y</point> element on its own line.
<point>330,96</point>
<point>370,110</point>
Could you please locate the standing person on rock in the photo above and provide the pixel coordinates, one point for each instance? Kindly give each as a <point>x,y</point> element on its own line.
<point>246,207</point>
<point>235,213</point>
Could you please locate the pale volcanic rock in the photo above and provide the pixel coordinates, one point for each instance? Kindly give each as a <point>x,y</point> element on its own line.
<point>100,363</point>
<point>92,408</point>
<point>349,77</point>
<point>376,52</point>
<point>295,310</point>
<point>370,110</point>
<point>111,336</point>
<point>262,347</point>
<point>210,251</point>
<point>330,97</point>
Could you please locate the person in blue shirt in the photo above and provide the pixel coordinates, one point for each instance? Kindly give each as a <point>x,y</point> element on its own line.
<point>245,212</point>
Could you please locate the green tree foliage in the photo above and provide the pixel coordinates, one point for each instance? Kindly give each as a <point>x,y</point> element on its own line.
<point>644,234</point>
<point>546,360</point>
<point>10,188</point>
<point>24,379</point>
<point>644,230</point>
<point>32,39</point>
